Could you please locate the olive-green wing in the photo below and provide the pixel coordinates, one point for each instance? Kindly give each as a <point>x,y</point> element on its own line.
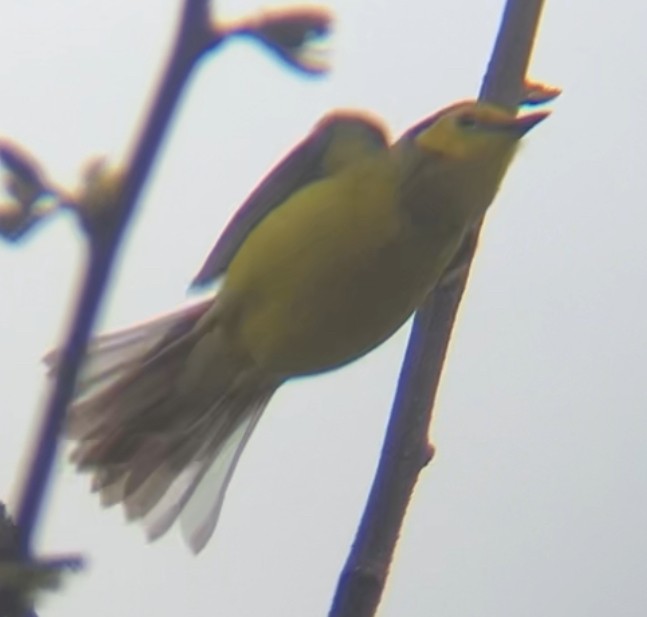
<point>337,140</point>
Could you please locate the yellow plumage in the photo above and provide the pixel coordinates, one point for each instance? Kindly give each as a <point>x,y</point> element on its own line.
<point>327,258</point>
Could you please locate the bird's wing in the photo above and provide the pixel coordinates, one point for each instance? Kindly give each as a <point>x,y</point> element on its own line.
<point>336,141</point>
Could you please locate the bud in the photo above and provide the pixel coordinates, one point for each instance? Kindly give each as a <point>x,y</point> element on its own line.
<point>296,35</point>
<point>24,180</point>
<point>23,579</point>
<point>538,93</point>
<point>98,198</point>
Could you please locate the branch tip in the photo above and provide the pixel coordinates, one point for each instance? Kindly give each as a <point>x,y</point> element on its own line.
<point>297,36</point>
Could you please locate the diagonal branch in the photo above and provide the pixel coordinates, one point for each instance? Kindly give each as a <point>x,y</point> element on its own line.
<point>109,200</point>
<point>104,209</point>
<point>406,449</point>
<point>191,41</point>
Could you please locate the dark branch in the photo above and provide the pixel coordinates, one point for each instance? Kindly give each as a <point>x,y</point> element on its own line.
<point>406,449</point>
<point>193,37</point>
<point>104,210</point>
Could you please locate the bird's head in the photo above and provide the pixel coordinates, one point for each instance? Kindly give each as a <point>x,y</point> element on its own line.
<point>465,150</point>
<point>475,131</point>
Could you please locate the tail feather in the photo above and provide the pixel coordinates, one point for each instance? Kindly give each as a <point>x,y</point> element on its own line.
<point>185,497</point>
<point>162,415</point>
<point>142,383</point>
<point>149,479</point>
<point>106,477</point>
<point>200,516</point>
<point>149,493</point>
<point>113,493</point>
<point>197,494</point>
<point>143,465</point>
<point>158,519</point>
<point>111,355</point>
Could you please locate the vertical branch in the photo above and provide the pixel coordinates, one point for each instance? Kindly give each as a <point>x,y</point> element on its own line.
<point>406,449</point>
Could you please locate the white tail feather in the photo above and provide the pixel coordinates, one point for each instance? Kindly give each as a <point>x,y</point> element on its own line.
<point>112,354</point>
<point>199,518</point>
<point>162,413</point>
<point>197,494</point>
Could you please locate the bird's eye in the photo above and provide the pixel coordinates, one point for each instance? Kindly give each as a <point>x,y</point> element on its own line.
<point>467,121</point>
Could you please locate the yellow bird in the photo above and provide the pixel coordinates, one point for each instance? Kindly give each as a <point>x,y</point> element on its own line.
<point>328,257</point>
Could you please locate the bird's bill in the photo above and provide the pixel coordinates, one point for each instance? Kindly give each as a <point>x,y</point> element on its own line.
<point>520,125</point>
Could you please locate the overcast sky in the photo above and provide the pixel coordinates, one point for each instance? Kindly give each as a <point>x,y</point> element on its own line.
<point>535,503</point>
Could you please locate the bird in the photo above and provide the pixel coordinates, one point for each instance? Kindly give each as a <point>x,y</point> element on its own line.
<point>326,259</point>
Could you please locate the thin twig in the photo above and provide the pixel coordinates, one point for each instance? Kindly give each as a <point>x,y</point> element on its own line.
<point>406,449</point>
<point>105,208</point>
<point>191,42</point>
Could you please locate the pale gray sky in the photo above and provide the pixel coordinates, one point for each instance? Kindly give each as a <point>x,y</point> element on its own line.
<point>535,504</point>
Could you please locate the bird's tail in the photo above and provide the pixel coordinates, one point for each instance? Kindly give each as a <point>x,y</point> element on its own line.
<point>161,415</point>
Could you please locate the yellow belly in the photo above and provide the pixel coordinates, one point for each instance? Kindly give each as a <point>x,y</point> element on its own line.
<point>330,274</point>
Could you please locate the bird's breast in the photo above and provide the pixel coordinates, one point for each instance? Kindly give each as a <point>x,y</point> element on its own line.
<point>330,275</point>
